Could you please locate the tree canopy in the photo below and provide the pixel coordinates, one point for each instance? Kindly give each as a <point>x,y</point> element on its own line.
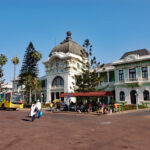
<point>3,60</point>
<point>30,66</point>
<point>88,80</point>
<point>29,71</point>
<point>15,61</point>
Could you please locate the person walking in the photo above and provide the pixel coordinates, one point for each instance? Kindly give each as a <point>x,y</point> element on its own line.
<point>51,106</point>
<point>115,107</point>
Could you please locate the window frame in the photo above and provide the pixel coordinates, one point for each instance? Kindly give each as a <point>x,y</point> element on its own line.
<point>58,81</point>
<point>122,96</point>
<point>147,98</point>
<point>121,75</point>
<point>130,73</point>
<point>144,73</point>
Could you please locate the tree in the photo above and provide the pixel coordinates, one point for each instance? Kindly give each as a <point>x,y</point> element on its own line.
<point>3,60</point>
<point>29,84</point>
<point>15,61</point>
<point>1,81</point>
<point>29,70</point>
<point>37,87</point>
<point>88,80</point>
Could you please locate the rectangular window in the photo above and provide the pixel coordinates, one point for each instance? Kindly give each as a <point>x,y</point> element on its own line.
<point>144,72</point>
<point>132,73</point>
<point>146,95</point>
<point>3,96</point>
<point>121,75</point>
<point>57,95</point>
<point>8,97</point>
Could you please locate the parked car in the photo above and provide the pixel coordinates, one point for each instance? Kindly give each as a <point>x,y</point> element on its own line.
<point>64,107</point>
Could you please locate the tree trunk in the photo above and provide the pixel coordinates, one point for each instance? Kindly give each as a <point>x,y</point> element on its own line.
<point>14,72</point>
<point>1,82</point>
<point>35,96</point>
<point>30,96</point>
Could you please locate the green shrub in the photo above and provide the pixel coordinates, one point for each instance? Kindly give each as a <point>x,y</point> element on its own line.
<point>143,105</point>
<point>45,105</point>
<point>130,106</point>
<point>123,104</point>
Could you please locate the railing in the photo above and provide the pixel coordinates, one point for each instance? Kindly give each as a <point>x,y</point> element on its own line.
<point>131,79</point>
<point>144,79</point>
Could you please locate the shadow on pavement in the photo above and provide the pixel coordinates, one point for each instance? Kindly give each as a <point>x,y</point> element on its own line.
<point>26,120</point>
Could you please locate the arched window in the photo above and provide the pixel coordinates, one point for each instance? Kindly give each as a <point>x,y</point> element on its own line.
<point>122,96</point>
<point>58,81</point>
<point>146,95</point>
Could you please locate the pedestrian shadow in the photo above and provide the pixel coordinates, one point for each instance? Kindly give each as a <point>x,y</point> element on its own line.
<point>26,119</point>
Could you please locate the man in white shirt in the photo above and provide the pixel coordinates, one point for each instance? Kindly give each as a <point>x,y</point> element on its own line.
<point>35,109</point>
<point>38,105</point>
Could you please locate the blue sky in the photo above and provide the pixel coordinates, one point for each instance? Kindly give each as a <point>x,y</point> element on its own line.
<point>112,26</point>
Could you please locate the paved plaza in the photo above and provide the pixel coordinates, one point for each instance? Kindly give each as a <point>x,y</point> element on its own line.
<point>73,131</point>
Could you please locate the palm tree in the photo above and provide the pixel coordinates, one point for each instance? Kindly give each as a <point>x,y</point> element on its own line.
<point>15,61</point>
<point>29,85</point>
<point>3,60</point>
<point>37,87</point>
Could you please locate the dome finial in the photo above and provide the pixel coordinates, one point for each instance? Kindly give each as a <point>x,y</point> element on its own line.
<point>68,35</point>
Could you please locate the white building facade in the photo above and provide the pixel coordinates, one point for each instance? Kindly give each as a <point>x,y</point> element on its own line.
<point>64,62</point>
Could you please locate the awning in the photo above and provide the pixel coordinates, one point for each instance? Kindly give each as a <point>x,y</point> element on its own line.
<point>90,94</point>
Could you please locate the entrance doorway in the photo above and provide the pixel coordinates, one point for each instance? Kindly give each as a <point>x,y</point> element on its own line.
<point>57,95</point>
<point>133,96</point>
<point>52,97</point>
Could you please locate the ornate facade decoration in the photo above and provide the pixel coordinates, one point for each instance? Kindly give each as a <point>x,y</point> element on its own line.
<point>64,61</point>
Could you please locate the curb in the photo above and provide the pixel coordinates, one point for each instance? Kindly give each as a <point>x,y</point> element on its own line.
<point>129,111</point>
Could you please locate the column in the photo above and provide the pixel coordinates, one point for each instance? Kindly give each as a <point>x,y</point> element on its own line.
<point>48,99</point>
<point>137,102</point>
<point>108,100</point>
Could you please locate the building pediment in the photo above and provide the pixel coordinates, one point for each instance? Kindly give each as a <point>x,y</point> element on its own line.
<point>131,57</point>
